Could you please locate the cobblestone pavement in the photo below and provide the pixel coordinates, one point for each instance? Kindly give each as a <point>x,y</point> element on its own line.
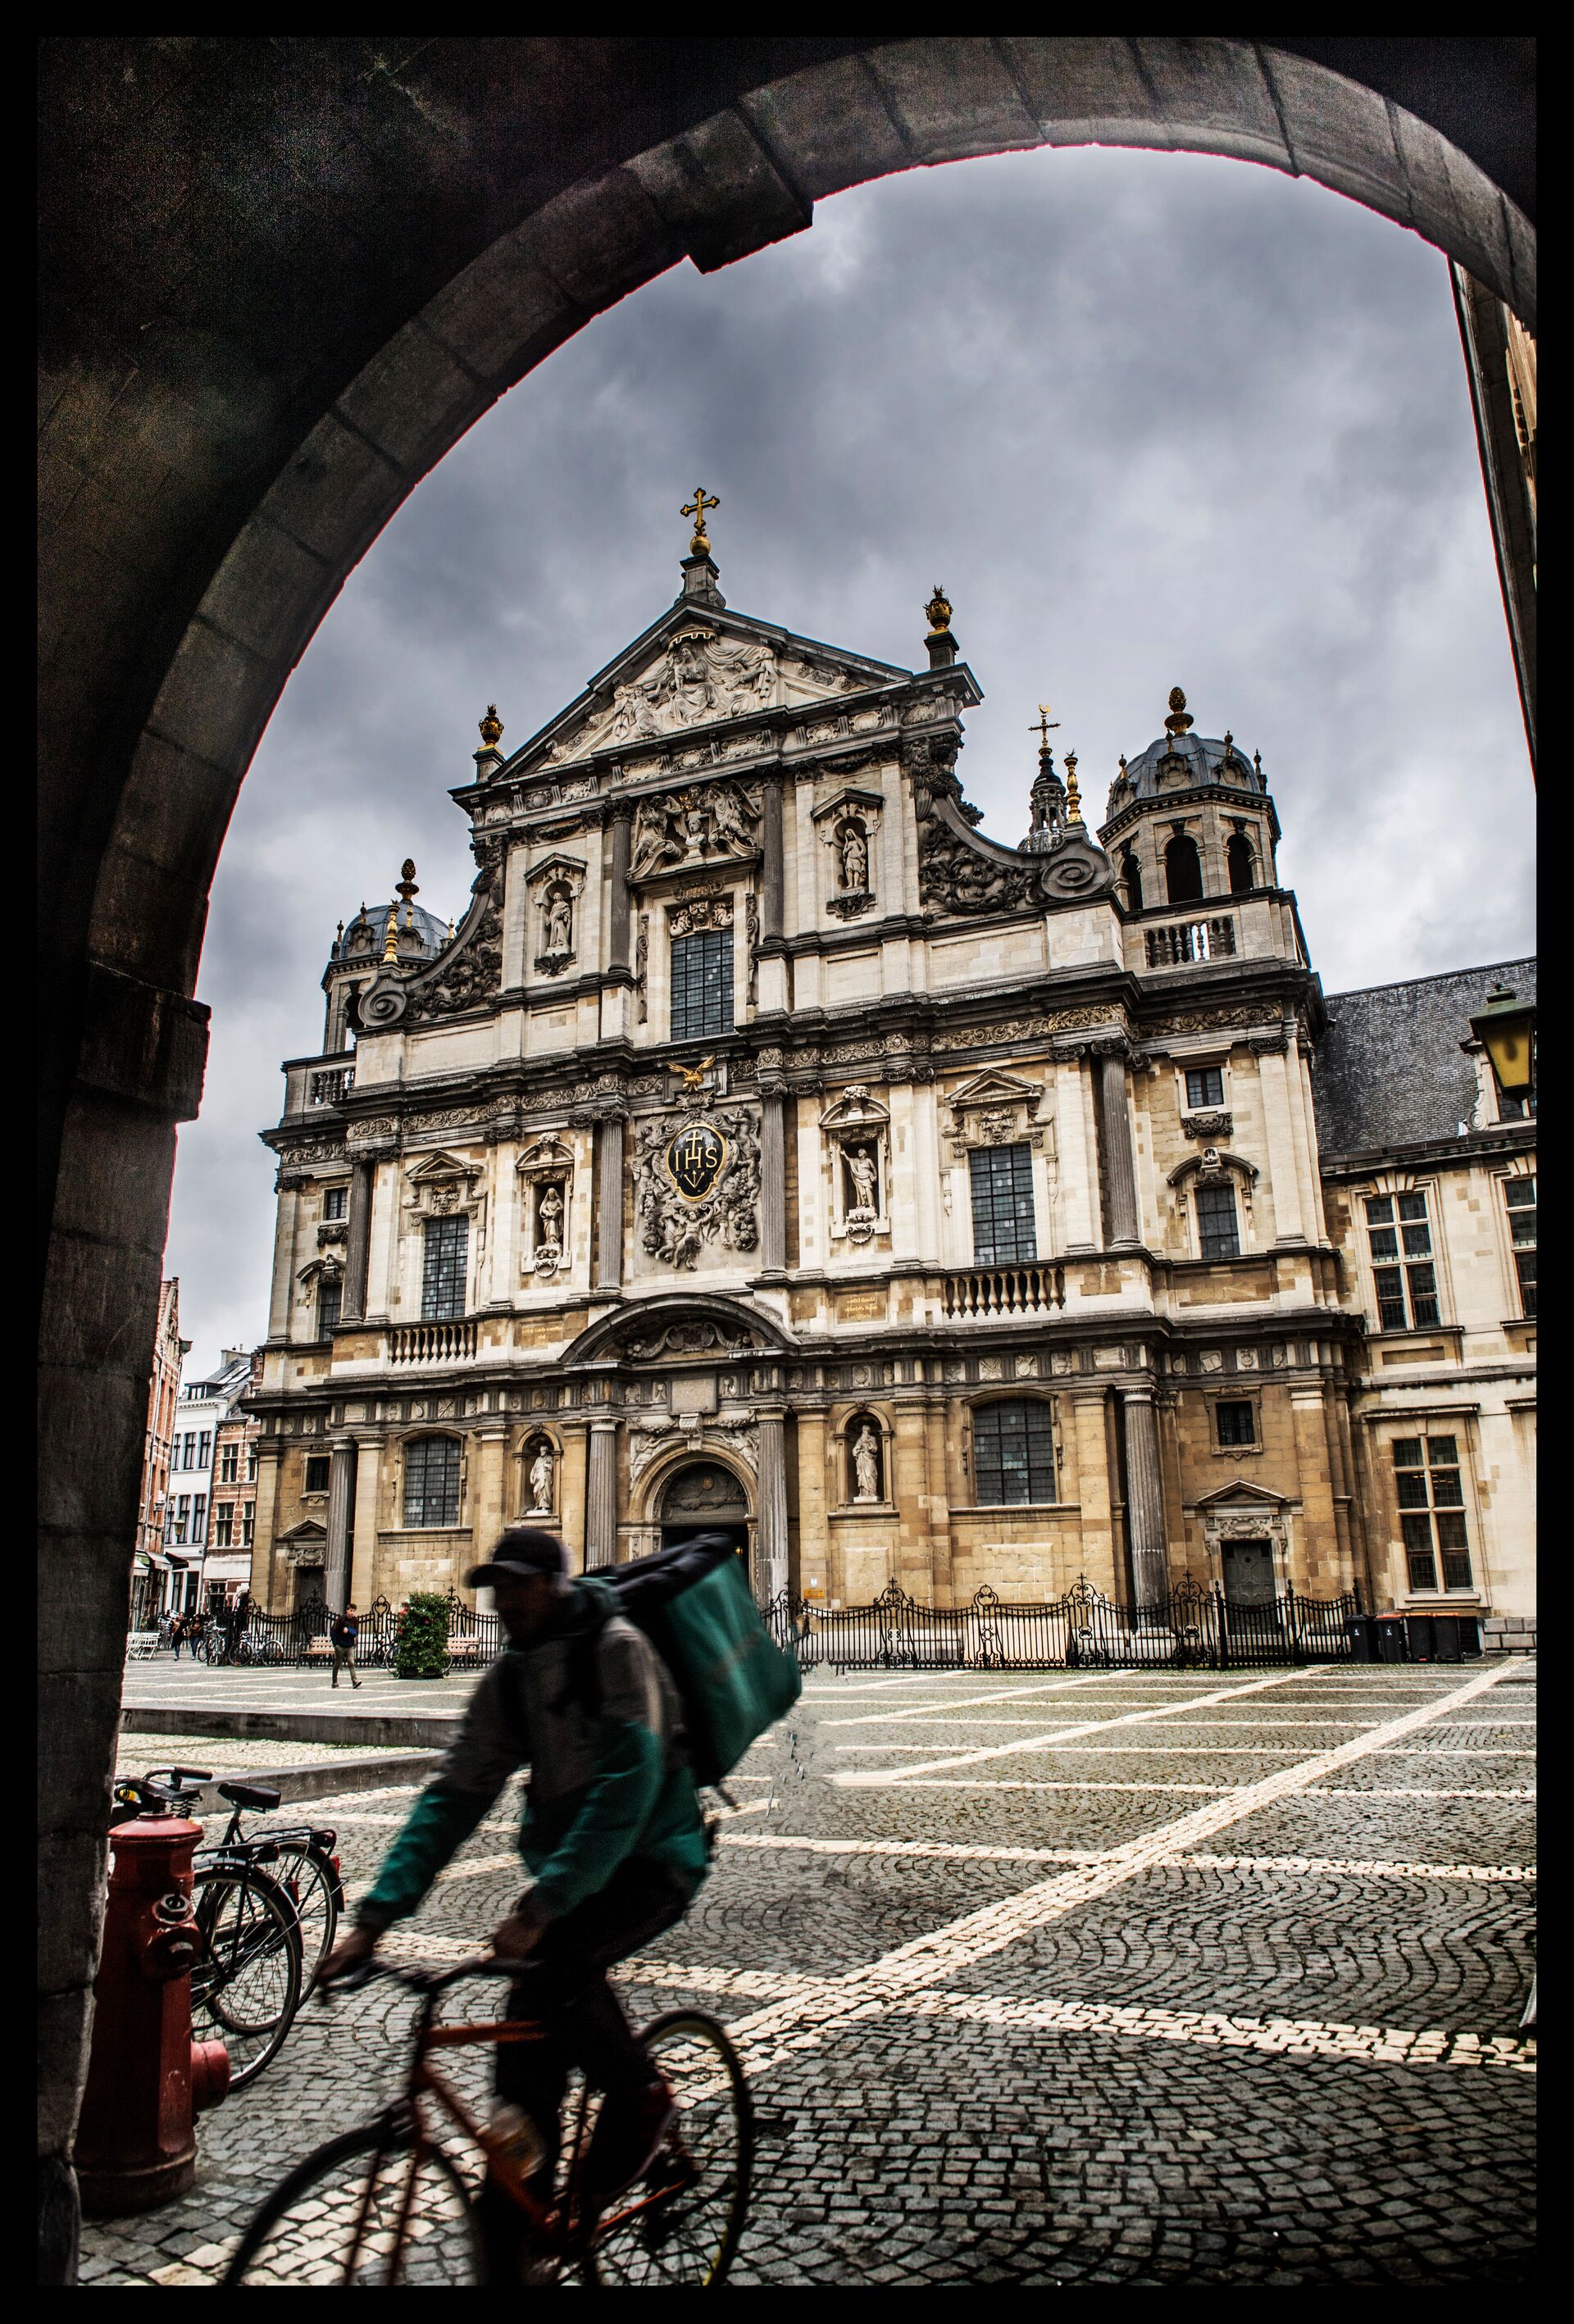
<point>162,1683</point>
<point>230,1755</point>
<point>1055,1979</point>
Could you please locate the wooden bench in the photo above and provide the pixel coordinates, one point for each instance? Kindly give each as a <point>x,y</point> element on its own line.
<point>464,1651</point>
<point>319,1650</point>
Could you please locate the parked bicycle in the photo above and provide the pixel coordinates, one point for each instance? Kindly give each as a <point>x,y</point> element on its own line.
<point>394,2201</point>
<point>249,1984</point>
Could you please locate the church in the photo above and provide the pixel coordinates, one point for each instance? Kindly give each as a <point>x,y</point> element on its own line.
<point>767,1147</point>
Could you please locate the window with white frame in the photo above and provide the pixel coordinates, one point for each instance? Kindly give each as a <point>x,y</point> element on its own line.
<point>1218,1226</point>
<point>248,1524</point>
<point>229,1462</point>
<point>1432,1511</point>
<point>205,1448</point>
<point>1013,1454</point>
<point>431,1482</point>
<point>1004,1233</point>
<point>180,1517</point>
<point>1519,1195</point>
<point>443,1266</point>
<point>1399,1237</point>
<point>223,1519</point>
<point>199,1518</point>
<point>251,1459</point>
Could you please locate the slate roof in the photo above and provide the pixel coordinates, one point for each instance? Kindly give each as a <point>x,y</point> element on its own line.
<point>1389,1070</point>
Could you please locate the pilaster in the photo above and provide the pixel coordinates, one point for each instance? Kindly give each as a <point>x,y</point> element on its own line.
<point>773,1506</point>
<point>1145,1499</point>
<point>1090,1439</point>
<point>1115,1125</point>
<point>609,1204</point>
<point>336,1579</point>
<point>363,1530</point>
<point>358,1240</point>
<point>600,1498</point>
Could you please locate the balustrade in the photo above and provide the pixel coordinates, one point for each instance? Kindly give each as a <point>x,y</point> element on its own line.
<point>1191,940</point>
<point>328,1088</point>
<point>432,1343</point>
<point>990,1291</point>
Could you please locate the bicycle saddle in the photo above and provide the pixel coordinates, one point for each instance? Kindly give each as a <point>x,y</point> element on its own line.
<point>259,1796</point>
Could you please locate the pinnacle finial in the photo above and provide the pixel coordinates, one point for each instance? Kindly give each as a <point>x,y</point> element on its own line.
<point>1073,796</point>
<point>699,546</point>
<point>390,942</point>
<point>1041,726</point>
<point>491,727</point>
<point>938,610</point>
<point>1180,718</point>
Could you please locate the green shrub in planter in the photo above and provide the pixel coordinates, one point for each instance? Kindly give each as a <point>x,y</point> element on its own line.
<point>421,1648</point>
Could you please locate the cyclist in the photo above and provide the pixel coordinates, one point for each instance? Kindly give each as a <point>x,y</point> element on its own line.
<point>612,1832</point>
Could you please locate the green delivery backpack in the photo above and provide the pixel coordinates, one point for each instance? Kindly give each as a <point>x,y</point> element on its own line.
<point>694,1605</point>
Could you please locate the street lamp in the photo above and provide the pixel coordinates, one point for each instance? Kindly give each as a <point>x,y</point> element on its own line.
<point>1507,1029</point>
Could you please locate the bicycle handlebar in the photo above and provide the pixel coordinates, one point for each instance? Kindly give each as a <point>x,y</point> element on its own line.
<point>419,1979</point>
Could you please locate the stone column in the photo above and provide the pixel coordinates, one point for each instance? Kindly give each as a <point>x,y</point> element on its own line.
<point>609,1203</point>
<point>335,1578</point>
<point>772,1180</point>
<point>773,1508</point>
<point>359,1242</point>
<point>488,1514</point>
<point>364,1525</point>
<point>1145,1499</point>
<point>1115,1125</point>
<point>618,901</point>
<point>1089,1437</point>
<point>264,1550</point>
<point>600,1498</point>
<point>771,870</point>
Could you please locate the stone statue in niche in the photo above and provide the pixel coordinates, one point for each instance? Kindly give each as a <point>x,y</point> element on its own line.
<point>854,859</point>
<point>540,1480</point>
<point>866,1464</point>
<point>558,921</point>
<point>862,1172</point>
<point>548,1238</point>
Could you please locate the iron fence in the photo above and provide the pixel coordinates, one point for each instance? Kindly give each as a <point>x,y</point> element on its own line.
<point>1195,1627</point>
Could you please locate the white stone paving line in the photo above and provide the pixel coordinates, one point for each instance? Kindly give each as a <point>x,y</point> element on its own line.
<point>770,2036</point>
<point>1380,2045</point>
<point>961,1701</point>
<point>1168,1750</point>
<point>1207,1791</point>
<point>883,1778</point>
<point>959,1851</point>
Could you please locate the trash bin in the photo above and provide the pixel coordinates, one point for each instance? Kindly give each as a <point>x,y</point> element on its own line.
<point>1422,1638</point>
<point>1362,1631</point>
<point>1391,1640</point>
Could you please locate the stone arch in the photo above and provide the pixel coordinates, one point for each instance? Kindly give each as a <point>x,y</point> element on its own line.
<point>734,1323</point>
<point>1241,863</point>
<point>196,542</point>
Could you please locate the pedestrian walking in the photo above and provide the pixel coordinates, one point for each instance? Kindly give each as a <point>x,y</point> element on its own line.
<point>178,1634</point>
<point>343,1632</point>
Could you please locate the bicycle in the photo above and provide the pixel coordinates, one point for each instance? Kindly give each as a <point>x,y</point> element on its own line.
<point>248,1985</point>
<point>390,2203</point>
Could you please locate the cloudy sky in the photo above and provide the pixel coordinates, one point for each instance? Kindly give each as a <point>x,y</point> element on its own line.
<point>1152,419</point>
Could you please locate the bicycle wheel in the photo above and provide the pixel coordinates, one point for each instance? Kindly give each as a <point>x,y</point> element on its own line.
<point>680,2223</point>
<point>355,2187</point>
<point>309,1880</point>
<point>246,1989</point>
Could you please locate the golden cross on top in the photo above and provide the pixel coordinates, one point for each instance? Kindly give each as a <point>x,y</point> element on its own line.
<point>699,546</point>
<point>1043,724</point>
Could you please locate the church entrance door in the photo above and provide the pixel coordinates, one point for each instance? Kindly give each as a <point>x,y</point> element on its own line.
<point>1249,1573</point>
<point>703,1497</point>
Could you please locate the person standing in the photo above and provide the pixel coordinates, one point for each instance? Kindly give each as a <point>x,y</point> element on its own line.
<point>343,1632</point>
<point>178,1634</point>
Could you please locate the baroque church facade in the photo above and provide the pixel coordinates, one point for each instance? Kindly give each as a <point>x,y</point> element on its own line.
<point>767,1147</point>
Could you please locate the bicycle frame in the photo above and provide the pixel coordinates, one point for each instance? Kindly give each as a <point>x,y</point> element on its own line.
<point>556,2220</point>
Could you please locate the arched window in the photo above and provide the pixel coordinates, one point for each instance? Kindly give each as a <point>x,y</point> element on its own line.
<point>1131,879</point>
<point>1237,855</point>
<point>1183,871</point>
<point>1013,1454</point>
<point>431,1482</point>
<point>866,1458</point>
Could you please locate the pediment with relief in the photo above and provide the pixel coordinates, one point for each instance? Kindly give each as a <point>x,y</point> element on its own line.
<point>699,676</point>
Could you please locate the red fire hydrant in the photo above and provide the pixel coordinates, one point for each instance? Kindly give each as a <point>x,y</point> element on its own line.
<point>146,2078</point>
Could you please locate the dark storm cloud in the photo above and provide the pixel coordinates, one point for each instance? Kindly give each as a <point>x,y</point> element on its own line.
<point>1152,419</point>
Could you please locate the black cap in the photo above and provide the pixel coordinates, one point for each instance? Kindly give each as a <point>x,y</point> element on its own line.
<point>521,1551</point>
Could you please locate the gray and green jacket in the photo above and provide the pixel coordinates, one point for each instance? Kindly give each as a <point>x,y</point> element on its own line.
<point>598,1722</point>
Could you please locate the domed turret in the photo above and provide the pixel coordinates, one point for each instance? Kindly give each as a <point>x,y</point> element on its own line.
<point>1189,817</point>
<point>398,931</point>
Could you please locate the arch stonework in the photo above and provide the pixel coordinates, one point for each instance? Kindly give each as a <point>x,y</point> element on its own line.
<point>208,488</point>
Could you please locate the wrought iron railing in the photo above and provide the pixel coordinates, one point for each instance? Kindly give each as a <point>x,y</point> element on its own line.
<point>1195,1627</point>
